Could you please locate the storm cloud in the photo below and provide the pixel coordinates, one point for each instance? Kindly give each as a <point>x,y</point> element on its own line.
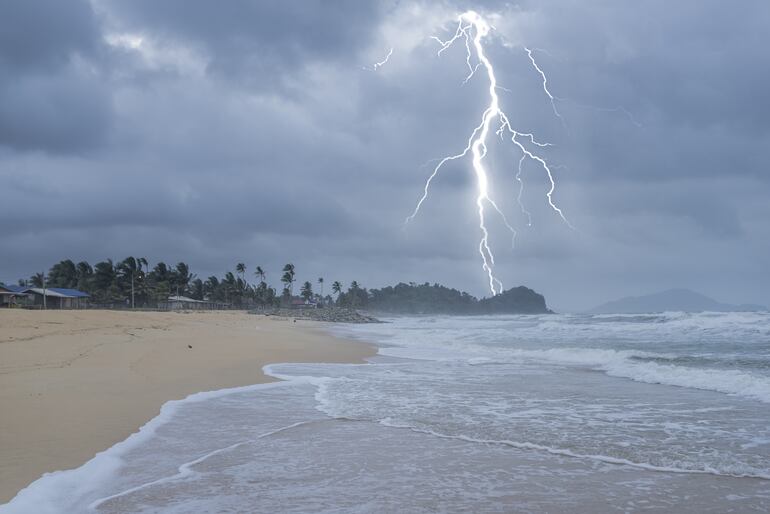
<point>257,132</point>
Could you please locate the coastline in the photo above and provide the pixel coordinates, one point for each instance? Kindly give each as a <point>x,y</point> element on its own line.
<point>74,383</point>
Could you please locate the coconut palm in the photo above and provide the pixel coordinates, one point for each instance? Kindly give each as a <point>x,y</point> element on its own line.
<point>104,274</point>
<point>37,280</point>
<point>260,273</point>
<point>241,284</point>
<point>353,292</point>
<point>105,282</point>
<point>288,277</point>
<point>212,289</point>
<point>196,289</point>
<point>146,265</point>
<point>85,272</point>
<point>307,291</point>
<point>128,271</point>
<point>182,277</point>
<point>229,285</point>
<point>63,274</point>
<point>321,284</point>
<point>337,287</point>
<point>143,272</point>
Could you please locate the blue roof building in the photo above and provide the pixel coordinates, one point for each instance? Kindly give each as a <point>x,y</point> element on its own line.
<point>15,289</point>
<point>57,297</point>
<point>9,295</point>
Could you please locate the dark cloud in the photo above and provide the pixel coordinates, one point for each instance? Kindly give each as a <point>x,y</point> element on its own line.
<point>44,34</point>
<point>251,131</point>
<point>51,95</point>
<point>253,42</point>
<point>61,113</point>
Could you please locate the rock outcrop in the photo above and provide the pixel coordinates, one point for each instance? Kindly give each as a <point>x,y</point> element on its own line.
<point>331,315</point>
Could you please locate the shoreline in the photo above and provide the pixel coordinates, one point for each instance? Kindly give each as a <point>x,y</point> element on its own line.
<point>74,383</point>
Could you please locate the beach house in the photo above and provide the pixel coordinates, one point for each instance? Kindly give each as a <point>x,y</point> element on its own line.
<point>301,303</point>
<point>57,297</point>
<point>9,295</point>
<point>176,303</point>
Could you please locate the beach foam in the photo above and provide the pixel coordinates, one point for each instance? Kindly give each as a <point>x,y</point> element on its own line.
<point>724,338</point>
<point>70,490</point>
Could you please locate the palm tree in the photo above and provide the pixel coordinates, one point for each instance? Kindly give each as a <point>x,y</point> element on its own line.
<point>229,284</point>
<point>105,281</point>
<point>307,291</point>
<point>161,277</point>
<point>180,278</point>
<point>146,265</point>
<point>196,288</point>
<point>287,281</point>
<point>321,283</point>
<point>63,274</point>
<point>142,261</point>
<point>37,280</point>
<point>353,291</point>
<point>84,272</point>
<point>212,289</point>
<point>337,289</point>
<point>288,277</point>
<point>260,273</point>
<point>241,284</point>
<point>129,269</point>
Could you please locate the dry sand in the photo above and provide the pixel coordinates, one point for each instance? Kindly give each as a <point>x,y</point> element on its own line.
<point>73,383</point>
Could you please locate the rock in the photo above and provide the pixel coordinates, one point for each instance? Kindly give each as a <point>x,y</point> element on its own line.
<point>330,315</point>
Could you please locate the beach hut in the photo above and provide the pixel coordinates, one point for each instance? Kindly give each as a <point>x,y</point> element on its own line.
<point>177,303</point>
<point>301,303</point>
<point>8,295</point>
<point>58,297</point>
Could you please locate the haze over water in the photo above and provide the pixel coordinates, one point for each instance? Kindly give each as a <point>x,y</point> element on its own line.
<point>484,414</point>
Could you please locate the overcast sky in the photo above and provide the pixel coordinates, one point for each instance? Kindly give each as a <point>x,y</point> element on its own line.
<point>255,131</point>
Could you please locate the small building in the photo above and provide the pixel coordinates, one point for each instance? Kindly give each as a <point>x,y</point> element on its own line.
<point>10,295</point>
<point>57,297</point>
<point>183,303</point>
<point>301,303</point>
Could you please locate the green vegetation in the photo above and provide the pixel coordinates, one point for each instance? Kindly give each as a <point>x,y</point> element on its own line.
<point>288,278</point>
<point>521,300</point>
<point>307,291</point>
<point>417,299</point>
<point>131,283</point>
<point>437,299</point>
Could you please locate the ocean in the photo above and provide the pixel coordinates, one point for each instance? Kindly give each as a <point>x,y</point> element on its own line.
<point>544,413</point>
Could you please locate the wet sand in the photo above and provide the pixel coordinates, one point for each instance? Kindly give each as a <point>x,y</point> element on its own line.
<point>73,383</point>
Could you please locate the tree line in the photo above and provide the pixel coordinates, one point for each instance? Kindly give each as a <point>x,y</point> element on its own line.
<point>132,282</point>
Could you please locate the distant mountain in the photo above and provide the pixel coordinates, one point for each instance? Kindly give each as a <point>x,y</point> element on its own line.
<point>437,299</point>
<point>670,300</point>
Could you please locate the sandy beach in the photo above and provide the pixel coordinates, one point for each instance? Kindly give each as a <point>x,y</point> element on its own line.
<point>73,383</point>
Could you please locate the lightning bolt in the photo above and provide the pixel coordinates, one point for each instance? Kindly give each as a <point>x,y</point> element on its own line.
<point>554,99</point>
<point>382,62</point>
<point>472,29</point>
<point>545,85</point>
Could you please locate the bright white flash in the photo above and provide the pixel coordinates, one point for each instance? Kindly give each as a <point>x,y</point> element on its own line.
<point>472,29</point>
